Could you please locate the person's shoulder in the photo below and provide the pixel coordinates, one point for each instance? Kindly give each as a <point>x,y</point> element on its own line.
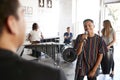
<point>31,32</point>
<point>41,71</point>
<point>32,70</point>
<point>39,31</point>
<point>98,36</point>
<point>79,34</point>
<point>34,64</point>
<point>65,32</point>
<point>39,67</point>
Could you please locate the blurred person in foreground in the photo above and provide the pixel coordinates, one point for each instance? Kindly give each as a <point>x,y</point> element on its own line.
<point>12,34</point>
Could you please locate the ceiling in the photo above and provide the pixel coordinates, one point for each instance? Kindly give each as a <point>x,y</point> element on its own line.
<point>111,1</point>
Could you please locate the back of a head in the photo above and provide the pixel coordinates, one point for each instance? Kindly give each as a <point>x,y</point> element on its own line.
<point>7,8</point>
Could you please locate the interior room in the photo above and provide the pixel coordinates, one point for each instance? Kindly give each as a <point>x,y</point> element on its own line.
<point>54,16</point>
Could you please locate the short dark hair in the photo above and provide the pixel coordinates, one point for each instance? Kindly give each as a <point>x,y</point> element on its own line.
<point>7,8</point>
<point>68,27</point>
<point>34,26</point>
<point>88,20</point>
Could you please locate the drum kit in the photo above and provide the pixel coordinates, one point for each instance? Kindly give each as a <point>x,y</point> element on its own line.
<point>69,53</point>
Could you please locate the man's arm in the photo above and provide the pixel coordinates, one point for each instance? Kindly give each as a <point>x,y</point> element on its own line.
<point>81,43</point>
<point>80,46</point>
<point>65,36</point>
<point>93,71</point>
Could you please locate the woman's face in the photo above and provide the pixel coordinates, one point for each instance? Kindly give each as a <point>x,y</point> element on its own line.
<point>106,25</point>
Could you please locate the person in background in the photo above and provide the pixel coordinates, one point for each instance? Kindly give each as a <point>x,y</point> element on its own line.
<point>12,36</point>
<point>90,48</point>
<point>68,36</point>
<point>109,37</point>
<point>35,36</point>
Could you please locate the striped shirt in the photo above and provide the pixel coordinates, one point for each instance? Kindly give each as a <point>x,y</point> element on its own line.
<point>87,59</point>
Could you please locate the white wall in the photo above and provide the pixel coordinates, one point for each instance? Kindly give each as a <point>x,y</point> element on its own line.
<point>83,9</point>
<point>64,13</point>
<point>31,12</point>
<point>65,16</point>
<point>48,19</point>
<point>52,21</point>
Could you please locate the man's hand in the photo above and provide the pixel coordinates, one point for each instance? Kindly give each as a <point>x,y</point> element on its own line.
<point>91,73</point>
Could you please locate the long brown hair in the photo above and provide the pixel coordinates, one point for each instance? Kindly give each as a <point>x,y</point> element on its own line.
<point>106,30</point>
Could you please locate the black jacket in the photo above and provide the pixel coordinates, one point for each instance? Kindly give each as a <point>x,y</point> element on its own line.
<point>13,67</point>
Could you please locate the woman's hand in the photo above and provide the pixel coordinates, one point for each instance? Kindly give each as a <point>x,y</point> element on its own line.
<point>108,47</point>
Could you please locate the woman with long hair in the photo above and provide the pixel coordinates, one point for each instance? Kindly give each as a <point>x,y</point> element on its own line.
<point>109,37</point>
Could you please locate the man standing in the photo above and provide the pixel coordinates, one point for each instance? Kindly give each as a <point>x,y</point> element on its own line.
<point>12,34</point>
<point>90,48</point>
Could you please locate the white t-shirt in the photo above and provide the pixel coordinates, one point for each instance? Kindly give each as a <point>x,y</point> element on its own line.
<point>35,35</point>
<point>110,38</point>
